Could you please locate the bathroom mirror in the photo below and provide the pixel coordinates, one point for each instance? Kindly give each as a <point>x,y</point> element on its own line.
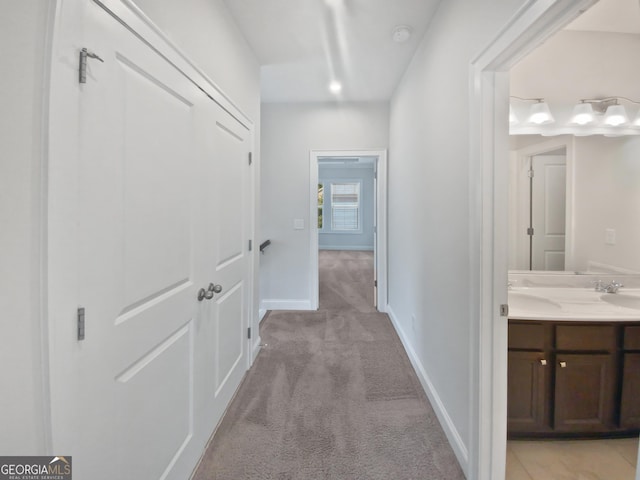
<point>574,204</point>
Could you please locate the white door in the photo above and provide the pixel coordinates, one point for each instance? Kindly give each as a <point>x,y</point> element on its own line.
<point>139,222</point>
<point>548,212</point>
<point>224,213</point>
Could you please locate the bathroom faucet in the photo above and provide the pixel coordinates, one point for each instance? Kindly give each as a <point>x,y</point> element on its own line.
<point>613,287</point>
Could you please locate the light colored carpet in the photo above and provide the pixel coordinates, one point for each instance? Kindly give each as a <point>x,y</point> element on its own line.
<point>332,396</point>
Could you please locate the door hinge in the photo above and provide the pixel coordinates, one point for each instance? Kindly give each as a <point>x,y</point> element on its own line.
<point>375,283</point>
<point>82,68</point>
<point>249,333</point>
<point>250,158</point>
<point>80,323</point>
<point>375,229</point>
<point>530,231</point>
<point>530,173</point>
<point>250,245</point>
<point>504,310</point>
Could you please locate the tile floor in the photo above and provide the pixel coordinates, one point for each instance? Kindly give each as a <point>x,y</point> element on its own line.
<point>572,459</point>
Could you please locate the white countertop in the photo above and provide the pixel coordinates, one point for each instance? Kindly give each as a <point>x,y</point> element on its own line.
<point>573,304</point>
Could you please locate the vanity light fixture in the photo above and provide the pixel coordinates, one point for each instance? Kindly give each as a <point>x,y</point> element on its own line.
<point>539,113</point>
<point>615,114</point>
<point>583,114</point>
<point>513,119</point>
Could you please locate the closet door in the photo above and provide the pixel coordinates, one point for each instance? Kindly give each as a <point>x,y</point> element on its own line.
<point>147,206</point>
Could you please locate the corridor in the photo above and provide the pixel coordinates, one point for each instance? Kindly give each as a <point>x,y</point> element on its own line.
<point>332,395</point>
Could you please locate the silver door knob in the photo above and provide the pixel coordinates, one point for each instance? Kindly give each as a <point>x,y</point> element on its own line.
<point>215,288</point>
<point>204,294</point>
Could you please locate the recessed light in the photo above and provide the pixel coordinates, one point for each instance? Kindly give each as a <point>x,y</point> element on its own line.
<point>401,33</point>
<point>335,87</point>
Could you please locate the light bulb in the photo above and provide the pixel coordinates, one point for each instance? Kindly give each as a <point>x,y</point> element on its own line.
<point>540,114</point>
<point>616,115</point>
<point>582,114</point>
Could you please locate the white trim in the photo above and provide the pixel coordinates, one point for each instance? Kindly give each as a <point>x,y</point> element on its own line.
<point>381,220</point>
<point>450,430</point>
<point>366,248</point>
<point>261,313</point>
<point>286,305</point>
<point>488,154</point>
<point>41,220</point>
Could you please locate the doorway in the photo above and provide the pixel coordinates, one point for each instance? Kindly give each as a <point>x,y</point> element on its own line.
<point>540,206</point>
<point>338,210</point>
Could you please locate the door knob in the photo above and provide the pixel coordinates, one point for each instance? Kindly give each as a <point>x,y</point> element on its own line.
<point>205,294</point>
<point>202,294</point>
<point>214,288</point>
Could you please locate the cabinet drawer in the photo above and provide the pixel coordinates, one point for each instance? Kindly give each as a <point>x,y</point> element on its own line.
<point>632,338</point>
<point>527,336</point>
<point>586,337</point>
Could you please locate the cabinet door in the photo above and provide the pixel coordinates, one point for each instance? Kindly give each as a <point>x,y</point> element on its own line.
<point>527,396</point>
<point>584,393</point>
<point>630,405</point>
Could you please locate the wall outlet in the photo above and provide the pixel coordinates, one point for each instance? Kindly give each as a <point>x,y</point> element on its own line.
<point>609,236</point>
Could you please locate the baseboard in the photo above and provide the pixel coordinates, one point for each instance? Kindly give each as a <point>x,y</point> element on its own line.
<point>261,313</point>
<point>459,448</point>
<point>285,305</point>
<point>359,248</point>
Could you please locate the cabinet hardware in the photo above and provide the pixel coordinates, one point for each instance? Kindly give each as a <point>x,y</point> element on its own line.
<point>543,362</point>
<point>563,364</point>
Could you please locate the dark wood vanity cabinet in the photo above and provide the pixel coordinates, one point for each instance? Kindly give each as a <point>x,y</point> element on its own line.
<point>630,395</point>
<point>569,378</point>
<point>528,377</point>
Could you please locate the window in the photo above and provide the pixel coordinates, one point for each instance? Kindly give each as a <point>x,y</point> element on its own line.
<point>320,205</point>
<point>345,207</point>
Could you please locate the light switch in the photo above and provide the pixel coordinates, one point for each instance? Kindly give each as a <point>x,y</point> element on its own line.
<point>298,223</point>
<point>610,236</point>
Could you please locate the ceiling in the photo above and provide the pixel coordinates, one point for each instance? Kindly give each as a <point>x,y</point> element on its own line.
<point>303,45</point>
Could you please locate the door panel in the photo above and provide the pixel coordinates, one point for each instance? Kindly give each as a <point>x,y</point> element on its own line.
<point>548,211</point>
<point>584,392</point>
<point>225,217</point>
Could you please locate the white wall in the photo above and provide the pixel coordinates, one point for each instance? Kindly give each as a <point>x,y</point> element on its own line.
<point>289,133</point>
<point>23,32</point>
<point>429,228</point>
<point>607,196</point>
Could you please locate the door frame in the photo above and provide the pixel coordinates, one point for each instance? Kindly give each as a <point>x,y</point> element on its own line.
<point>381,221</point>
<point>518,207</point>
<point>532,24</point>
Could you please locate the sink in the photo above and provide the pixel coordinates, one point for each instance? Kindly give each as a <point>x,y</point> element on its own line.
<point>622,300</point>
<point>524,301</point>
